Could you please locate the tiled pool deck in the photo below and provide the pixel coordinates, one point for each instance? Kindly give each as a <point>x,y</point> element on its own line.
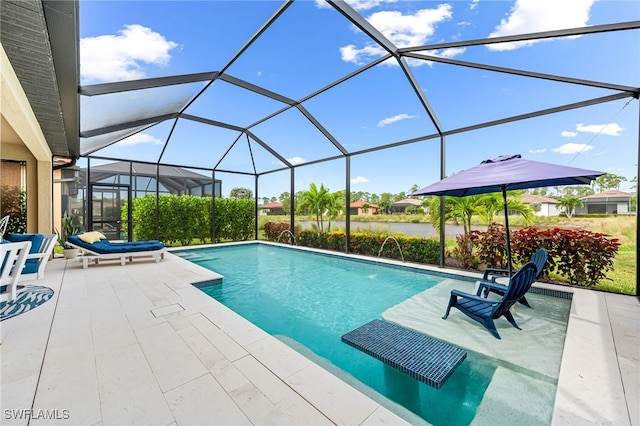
<point>138,344</point>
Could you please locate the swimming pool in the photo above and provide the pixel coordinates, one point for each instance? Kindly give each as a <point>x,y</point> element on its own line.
<point>309,300</point>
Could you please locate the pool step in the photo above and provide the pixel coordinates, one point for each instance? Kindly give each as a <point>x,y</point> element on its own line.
<point>424,358</point>
<point>207,283</point>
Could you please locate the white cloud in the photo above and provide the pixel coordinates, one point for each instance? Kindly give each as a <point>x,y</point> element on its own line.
<point>139,138</point>
<point>359,179</point>
<point>296,160</point>
<point>611,129</point>
<point>356,4</point>
<point>402,30</point>
<point>538,151</point>
<point>292,160</point>
<point>351,53</point>
<point>530,16</point>
<point>390,120</point>
<point>568,134</point>
<point>573,148</point>
<point>474,4</point>
<point>450,52</point>
<point>410,30</point>
<point>121,57</point>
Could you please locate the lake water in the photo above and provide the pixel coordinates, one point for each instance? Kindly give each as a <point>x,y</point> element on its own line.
<point>425,230</point>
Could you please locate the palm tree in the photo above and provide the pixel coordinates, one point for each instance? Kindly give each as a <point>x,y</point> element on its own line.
<point>316,201</point>
<point>464,208</point>
<point>335,206</point>
<point>486,206</point>
<point>492,204</point>
<point>568,204</point>
<point>458,208</point>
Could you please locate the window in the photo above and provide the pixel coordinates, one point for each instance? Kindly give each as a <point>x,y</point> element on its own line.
<point>13,195</point>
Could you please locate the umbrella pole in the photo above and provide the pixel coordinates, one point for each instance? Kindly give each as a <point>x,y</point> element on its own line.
<point>506,224</point>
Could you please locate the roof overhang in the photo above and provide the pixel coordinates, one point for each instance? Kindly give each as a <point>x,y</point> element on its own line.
<point>40,38</point>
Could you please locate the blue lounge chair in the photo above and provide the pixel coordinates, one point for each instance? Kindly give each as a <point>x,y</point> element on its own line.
<point>486,310</point>
<point>96,248</point>
<point>490,284</point>
<point>39,253</point>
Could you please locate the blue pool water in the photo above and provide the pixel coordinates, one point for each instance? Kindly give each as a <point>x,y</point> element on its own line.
<point>310,300</point>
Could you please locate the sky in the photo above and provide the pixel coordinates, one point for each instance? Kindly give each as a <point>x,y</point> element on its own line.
<point>311,46</point>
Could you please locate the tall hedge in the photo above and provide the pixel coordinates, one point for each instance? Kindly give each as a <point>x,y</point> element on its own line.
<point>235,219</point>
<point>186,218</point>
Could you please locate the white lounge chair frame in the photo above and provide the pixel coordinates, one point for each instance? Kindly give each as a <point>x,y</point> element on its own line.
<point>43,255</point>
<point>14,255</point>
<point>4,222</point>
<point>95,257</point>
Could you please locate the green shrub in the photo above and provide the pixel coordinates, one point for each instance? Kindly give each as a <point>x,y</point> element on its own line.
<point>366,243</point>
<point>464,251</point>
<point>420,250</point>
<point>274,230</point>
<point>234,219</point>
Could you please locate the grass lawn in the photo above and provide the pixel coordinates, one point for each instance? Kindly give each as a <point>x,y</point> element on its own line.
<point>622,279</point>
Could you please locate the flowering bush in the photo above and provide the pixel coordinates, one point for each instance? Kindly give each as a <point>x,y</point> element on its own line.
<point>421,250</point>
<point>581,257</point>
<point>273,230</point>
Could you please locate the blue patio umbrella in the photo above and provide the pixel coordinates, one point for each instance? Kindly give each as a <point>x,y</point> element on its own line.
<point>508,172</point>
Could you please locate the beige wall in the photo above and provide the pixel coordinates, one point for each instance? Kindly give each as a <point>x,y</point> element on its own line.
<point>21,139</point>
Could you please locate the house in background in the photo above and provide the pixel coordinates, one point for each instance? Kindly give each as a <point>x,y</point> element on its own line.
<point>363,208</point>
<point>273,208</point>
<point>401,206</point>
<point>608,202</point>
<point>548,206</point>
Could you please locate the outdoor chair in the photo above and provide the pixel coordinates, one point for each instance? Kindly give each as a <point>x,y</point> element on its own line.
<point>97,247</point>
<point>39,253</point>
<point>485,310</point>
<point>4,222</point>
<point>491,285</point>
<point>12,257</point>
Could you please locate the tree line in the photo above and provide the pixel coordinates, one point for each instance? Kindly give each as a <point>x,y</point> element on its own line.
<point>321,203</point>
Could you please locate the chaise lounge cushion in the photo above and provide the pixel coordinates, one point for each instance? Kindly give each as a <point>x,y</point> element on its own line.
<point>105,246</point>
<point>31,265</point>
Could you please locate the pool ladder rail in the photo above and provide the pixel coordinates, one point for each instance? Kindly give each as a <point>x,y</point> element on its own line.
<point>391,237</point>
<point>287,231</point>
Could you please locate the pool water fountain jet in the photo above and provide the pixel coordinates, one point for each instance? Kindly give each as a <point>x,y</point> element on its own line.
<point>391,237</point>
<point>287,231</point>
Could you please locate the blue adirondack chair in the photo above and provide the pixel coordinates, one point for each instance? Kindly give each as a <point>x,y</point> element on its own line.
<point>490,285</point>
<point>486,310</point>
